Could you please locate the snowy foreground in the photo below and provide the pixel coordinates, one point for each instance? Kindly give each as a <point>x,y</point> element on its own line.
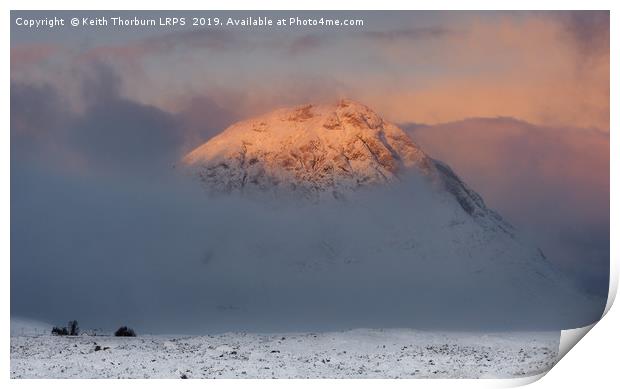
<point>351,354</point>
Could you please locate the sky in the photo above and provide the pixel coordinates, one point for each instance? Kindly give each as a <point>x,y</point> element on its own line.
<point>516,102</point>
<point>546,68</point>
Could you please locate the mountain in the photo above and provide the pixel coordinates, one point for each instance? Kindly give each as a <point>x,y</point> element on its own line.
<point>380,234</point>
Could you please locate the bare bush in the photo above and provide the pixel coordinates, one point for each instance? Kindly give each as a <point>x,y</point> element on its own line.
<point>60,331</point>
<point>125,331</point>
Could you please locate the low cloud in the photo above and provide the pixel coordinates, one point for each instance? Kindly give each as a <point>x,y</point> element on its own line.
<point>163,257</point>
<point>553,183</point>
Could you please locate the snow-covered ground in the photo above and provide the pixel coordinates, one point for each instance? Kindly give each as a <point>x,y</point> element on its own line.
<point>362,353</point>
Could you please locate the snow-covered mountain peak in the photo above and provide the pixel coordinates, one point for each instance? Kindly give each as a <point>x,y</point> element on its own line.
<point>309,148</point>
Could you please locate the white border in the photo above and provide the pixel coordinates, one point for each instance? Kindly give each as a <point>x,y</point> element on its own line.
<point>597,355</point>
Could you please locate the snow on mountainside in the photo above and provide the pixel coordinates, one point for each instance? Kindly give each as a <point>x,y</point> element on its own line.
<point>422,249</point>
<point>309,149</point>
<point>316,150</point>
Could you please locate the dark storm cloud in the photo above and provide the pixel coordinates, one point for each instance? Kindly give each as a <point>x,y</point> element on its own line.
<point>589,29</point>
<point>202,118</point>
<point>98,83</point>
<point>119,134</point>
<point>124,134</point>
<point>111,133</point>
<point>37,115</point>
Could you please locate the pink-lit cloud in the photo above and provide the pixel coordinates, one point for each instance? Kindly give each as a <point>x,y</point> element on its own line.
<point>548,69</point>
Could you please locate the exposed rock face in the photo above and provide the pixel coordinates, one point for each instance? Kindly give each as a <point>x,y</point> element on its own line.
<point>311,149</point>
<point>318,150</point>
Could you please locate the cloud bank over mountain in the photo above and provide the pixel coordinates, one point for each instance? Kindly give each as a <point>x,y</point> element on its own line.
<point>553,183</point>
<point>168,256</point>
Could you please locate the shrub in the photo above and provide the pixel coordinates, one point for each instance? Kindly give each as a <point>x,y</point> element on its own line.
<point>125,331</point>
<point>73,328</point>
<point>61,331</point>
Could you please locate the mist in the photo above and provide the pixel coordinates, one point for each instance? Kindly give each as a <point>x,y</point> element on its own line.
<point>551,182</point>
<point>162,256</point>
